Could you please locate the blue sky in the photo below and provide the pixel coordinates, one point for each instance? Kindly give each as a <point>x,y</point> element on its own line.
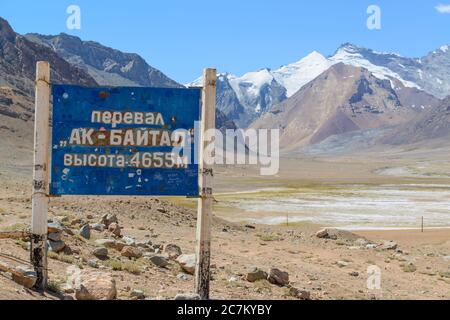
<point>182,37</point>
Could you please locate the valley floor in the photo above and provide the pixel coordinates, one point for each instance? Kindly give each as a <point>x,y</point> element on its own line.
<point>419,268</point>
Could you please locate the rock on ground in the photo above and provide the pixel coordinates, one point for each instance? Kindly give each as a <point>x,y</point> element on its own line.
<point>389,245</point>
<point>107,243</point>
<point>25,277</point>
<point>173,251</point>
<point>129,241</point>
<point>299,294</point>
<point>55,236</point>
<point>101,253</point>
<point>131,252</point>
<point>114,228</point>
<point>278,277</point>
<point>256,274</point>
<point>137,294</point>
<point>95,285</point>
<point>109,218</point>
<point>100,227</point>
<point>92,263</point>
<point>56,246</point>
<point>55,226</point>
<point>184,276</point>
<point>187,297</point>
<point>187,263</point>
<point>159,261</point>
<point>322,234</point>
<point>342,263</point>
<point>85,232</point>
<point>335,234</point>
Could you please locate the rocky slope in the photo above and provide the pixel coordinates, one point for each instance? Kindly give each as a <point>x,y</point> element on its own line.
<point>107,66</point>
<point>18,58</point>
<point>244,99</point>
<point>72,61</point>
<point>433,124</point>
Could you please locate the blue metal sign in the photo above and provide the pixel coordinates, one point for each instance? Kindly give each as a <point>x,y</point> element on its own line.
<point>120,141</point>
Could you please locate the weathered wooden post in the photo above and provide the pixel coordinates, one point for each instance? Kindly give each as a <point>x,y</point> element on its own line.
<point>40,174</point>
<point>205,202</point>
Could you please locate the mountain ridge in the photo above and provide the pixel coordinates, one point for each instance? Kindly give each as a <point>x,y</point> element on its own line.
<point>108,66</point>
<point>72,61</point>
<point>424,74</point>
<point>342,99</point>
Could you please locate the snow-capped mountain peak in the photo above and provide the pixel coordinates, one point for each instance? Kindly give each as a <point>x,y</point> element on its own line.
<point>294,76</point>
<point>246,97</point>
<point>199,81</point>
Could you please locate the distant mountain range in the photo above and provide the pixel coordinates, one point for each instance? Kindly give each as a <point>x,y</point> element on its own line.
<point>355,94</point>
<point>72,61</point>
<point>244,99</point>
<point>18,58</point>
<point>109,67</point>
<point>342,99</point>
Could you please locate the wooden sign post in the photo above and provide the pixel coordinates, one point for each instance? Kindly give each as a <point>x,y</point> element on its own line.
<point>205,202</point>
<point>40,174</point>
<point>172,103</point>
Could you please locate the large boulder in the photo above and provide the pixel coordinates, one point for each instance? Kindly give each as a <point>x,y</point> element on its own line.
<point>56,246</point>
<point>187,263</point>
<point>278,277</point>
<point>95,285</point>
<point>24,276</point>
<point>256,274</point>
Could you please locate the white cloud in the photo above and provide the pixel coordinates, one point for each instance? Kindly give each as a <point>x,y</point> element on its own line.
<point>443,8</point>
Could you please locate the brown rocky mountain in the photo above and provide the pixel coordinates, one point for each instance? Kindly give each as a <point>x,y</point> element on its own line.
<point>72,61</point>
<point>18,57</point>
<point>342,99</point>
<point>108,66</point>
<point>433,124</point>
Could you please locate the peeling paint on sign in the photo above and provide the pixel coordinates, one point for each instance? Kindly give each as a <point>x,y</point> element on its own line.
<point>119,141</point>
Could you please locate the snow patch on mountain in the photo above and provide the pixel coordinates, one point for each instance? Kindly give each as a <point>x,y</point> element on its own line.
<point>349,56</point>
<point>294,76</point>
<point>250,84</point>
